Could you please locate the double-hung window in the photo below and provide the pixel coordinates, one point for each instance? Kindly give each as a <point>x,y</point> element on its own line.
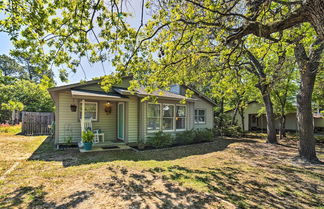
<point>180,117</point>
<point>90,110</point>
<point>153,117</point>
<point>200,116</point>
<point>168,117</point>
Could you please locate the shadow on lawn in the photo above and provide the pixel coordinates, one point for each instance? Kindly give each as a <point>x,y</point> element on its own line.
<point>72,157</point>
<point>34,197</point>
<point>249,191</point>
<point>146,190</point>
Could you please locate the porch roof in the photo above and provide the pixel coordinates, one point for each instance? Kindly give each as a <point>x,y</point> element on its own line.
<point>87,94</point>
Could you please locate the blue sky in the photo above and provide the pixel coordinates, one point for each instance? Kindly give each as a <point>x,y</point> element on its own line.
<point>91,70</point>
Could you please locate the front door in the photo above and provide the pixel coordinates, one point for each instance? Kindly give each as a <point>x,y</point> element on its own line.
<point>121,120</point>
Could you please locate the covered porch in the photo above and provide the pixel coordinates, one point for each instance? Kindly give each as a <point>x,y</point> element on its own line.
<point>105,115</point>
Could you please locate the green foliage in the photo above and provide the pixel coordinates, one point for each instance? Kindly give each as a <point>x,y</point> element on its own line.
<point>231,131</point>
<point>12,105</point>
<point>160,140</point>
<point>194,136</point>
<point>185,137</point>
<point>87,136</point>
<point>203,135</point>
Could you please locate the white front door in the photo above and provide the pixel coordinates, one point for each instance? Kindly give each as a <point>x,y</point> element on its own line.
<point>121,120</point>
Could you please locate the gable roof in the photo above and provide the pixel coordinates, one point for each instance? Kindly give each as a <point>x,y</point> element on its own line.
<point>140,91</point>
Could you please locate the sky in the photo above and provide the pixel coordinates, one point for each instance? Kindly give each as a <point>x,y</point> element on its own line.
<point>90,70</point>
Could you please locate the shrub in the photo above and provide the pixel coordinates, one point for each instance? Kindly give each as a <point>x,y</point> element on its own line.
<point>231,131</point>
<point>160,140</point>
<point>203,135</point>
<point>185,137</point>
<point>10,129</point>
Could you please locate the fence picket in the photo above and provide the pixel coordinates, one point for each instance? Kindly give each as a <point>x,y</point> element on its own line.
<point>36,123</point>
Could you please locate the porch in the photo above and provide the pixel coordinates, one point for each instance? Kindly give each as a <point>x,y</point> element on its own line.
<point>106,146</point>
<point>105,116</point>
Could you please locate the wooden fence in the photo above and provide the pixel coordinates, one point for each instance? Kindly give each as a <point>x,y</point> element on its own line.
<point>37,123</point>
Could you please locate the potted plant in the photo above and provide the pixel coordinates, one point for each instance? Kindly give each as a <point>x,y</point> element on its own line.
<point>87,139</point>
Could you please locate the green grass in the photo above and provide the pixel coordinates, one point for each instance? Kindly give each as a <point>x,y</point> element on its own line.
<point>244,172</point>
<point>10,129</point>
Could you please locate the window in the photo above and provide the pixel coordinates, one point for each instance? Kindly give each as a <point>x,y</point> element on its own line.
<point>153,117</point>
<point>90,110</point>
<point>200,116</point>
<point>168,117</point>
<point>180,117</point>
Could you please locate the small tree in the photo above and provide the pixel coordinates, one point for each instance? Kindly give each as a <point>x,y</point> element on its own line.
<point>13,106</point>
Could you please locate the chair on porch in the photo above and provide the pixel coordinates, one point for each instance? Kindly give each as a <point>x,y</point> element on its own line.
<point>88,126</point>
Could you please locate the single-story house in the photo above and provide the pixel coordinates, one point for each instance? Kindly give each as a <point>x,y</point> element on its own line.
<point>254,121</point>
<point>121,116</point>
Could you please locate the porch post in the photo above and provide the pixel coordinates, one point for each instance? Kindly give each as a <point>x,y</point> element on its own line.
<point>82,115</point>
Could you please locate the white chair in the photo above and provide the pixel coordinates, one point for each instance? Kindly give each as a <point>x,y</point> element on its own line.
<point>88,126</point>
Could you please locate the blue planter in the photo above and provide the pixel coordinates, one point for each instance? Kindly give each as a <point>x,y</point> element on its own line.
<point>87,145</point>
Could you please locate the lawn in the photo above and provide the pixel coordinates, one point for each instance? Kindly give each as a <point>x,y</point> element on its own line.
<point>227,173</point>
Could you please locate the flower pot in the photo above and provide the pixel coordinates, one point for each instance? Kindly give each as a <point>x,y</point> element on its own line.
<point>87,145</point>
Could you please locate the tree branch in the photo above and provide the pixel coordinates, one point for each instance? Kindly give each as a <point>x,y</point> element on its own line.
<point>265,30</point>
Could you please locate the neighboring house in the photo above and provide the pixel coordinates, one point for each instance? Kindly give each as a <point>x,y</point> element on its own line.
<point>254,121</point>
<point>121,116</point>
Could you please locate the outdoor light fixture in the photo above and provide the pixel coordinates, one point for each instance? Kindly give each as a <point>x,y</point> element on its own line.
<point>73,107</point>
<point>108,107</point>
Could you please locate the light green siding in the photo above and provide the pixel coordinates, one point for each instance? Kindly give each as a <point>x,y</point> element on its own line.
<point>132,119</point>
<point>68,123</point>
<point>208,107</point>
<point>107,122</point>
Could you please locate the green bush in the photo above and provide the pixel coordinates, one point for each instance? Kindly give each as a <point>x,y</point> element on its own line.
<point>231,131</point>
<point>203,135</point>
<point>160,140</point>
<point>185,137</point>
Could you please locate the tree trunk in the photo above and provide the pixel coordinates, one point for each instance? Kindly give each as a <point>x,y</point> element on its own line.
<point>234,115</point>
<point>282,130</point>
<point>220,125</point>
<point>308,67</point>
<point>314,12</point>
<point>305,118</point>
<point>271,128</point>
<point>241,112</point>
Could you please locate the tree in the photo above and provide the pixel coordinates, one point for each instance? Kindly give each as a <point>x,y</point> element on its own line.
<point>12,106</point>
<point>34,97</point>
<point>9,67</point>
<point>284,92</point>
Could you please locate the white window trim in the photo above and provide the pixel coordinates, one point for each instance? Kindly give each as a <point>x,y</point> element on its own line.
<point>186,118</point>
<point>96,109</point>
<point>152,131</point>
<point>173,121</point>
<point>174,117</point>
<point>200,123</point>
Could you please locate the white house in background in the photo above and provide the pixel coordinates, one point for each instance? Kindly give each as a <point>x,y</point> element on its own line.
<point>254,121</point>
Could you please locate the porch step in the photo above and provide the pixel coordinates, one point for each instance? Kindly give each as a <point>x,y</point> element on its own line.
<point>107,147</point>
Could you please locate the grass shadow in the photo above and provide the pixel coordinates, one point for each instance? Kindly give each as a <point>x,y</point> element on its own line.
<point>34,197</point>
<point>72,157</point>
